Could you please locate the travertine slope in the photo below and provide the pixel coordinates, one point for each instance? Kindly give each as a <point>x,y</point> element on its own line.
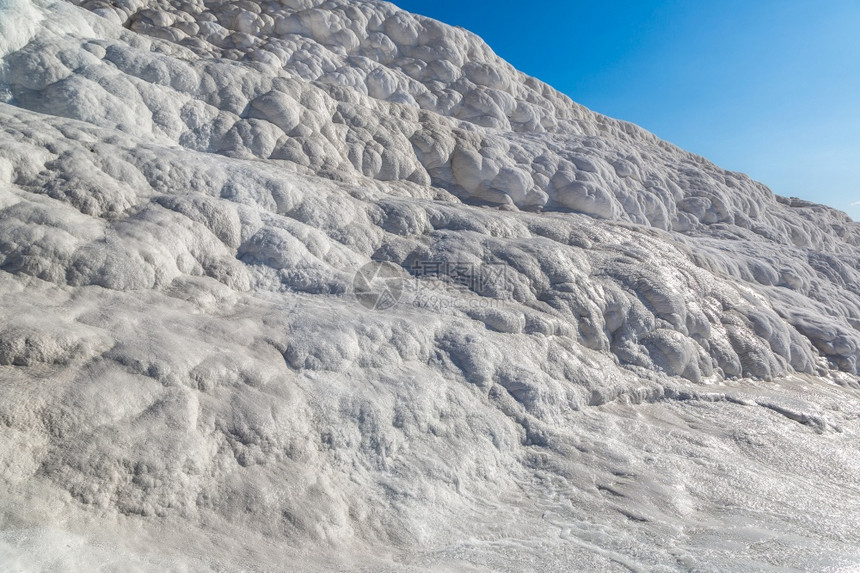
<point>605,353</point>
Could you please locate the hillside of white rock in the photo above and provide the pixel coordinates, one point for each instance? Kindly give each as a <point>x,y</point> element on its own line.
<point>598,352</point>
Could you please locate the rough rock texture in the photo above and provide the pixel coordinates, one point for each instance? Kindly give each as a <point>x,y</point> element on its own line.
<point>651,365</point>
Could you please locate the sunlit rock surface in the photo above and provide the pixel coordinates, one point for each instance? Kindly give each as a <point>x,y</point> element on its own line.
<point>600,353</point>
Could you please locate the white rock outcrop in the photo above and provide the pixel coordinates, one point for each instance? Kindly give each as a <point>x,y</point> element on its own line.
<point>606,353</point>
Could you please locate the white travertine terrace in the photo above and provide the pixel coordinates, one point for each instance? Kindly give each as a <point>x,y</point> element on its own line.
<point>665,379</point>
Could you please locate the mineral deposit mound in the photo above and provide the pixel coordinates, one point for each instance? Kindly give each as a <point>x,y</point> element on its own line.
<point>322,285</point>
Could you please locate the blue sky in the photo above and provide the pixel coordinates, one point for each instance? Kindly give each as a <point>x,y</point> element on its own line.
<point>767,87</point>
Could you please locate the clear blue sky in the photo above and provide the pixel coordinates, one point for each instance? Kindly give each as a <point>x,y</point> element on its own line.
<point>767,87</point>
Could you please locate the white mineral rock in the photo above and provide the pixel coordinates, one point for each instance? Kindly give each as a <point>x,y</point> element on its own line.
<point>642,361</point>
